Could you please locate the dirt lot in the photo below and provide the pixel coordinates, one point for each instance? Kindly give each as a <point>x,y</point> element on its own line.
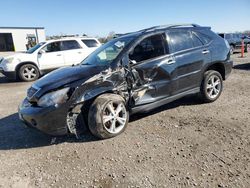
<point>183,144</point>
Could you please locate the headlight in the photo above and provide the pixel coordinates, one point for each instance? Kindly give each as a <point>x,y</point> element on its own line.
<point>8,60</point>
<point>54,98</point>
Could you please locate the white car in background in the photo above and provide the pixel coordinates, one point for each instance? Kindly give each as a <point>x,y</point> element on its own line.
<point>47,56</point>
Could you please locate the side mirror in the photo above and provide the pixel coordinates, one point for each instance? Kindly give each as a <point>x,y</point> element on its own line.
<point>41,51</point>
<point>125,61</point>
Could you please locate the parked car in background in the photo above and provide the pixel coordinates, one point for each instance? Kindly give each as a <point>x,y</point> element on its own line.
<point>247,41</point>
<point>47,56</point>
<point>133,73</point>
<point>235,41</point>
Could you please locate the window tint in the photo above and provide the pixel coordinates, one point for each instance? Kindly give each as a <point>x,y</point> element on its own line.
<point>180,40</point>
<point>52,47</point>
<point>70,45</point>
<point>196,41</point>
<point>204,38</point>
<point>90,43</point>
<point>149,48</point>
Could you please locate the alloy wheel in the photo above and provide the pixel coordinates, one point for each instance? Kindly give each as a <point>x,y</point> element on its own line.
<point>29,73</point>
<point>213,87</point>
<point>114,117</point>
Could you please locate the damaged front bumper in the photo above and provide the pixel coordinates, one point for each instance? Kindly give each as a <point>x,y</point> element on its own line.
<point>50,120</point>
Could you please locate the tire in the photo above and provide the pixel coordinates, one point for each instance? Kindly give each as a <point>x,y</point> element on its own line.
<point>212,86</point>
<point>28,73</point>
<point>231,49</point>
<point>103,120</point>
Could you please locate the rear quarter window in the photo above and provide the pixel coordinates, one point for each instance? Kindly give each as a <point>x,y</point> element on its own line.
<point>204,38</point>
<point>196,41</point>
<point>91,43</point>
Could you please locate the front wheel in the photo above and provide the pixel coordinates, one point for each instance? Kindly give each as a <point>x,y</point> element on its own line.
<point>28,72</point>
<point>211,86</point>
<point>108,116</point>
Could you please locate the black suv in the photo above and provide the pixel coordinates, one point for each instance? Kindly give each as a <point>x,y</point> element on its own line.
<point>235,41</point>
<point>133,73</point>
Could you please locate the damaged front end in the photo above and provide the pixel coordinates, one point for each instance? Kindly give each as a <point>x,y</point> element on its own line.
<point>108,81</point>
<point>59,102</point>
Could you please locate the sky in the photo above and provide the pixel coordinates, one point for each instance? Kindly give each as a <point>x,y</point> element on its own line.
<point>99,17</point>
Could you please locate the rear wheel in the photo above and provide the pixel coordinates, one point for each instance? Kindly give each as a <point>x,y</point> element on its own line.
<point>28,72</point>
<point>211,86</point>
<point>108,116</point>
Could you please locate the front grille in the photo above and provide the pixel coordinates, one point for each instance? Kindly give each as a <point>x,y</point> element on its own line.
<point>31,92</point>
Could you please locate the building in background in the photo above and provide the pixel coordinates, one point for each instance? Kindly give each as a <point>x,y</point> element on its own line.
<point>20,38</point>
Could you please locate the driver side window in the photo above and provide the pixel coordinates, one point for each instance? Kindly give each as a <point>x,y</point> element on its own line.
<point>149,48</point>
<point>52,47</point>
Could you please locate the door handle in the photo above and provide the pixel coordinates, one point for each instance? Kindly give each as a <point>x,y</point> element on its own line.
<point>205,51</point>
<point>169,61</point>
<point>59,55</point>
<point>79,52</point>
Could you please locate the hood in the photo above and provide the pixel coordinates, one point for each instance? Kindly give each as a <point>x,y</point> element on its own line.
<point>67,75</point>
<point>20,57</point>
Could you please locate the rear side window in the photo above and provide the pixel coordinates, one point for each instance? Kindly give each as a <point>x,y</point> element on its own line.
<point>180,40</point>
<point>90,43</point>
<point>52,47</point>
<point>204,38</point>
<point>151,47</point>
<point>70,45</point>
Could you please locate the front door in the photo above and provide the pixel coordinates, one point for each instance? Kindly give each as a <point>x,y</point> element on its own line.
<point>152,68</point>
<point>51,56</point>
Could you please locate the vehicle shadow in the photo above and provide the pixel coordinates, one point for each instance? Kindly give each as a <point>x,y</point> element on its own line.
<point>245,66</point>
<point>5,80</point>
<point>185,101</point>
<point>15,135</point>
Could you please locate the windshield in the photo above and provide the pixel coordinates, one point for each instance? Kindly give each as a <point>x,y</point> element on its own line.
<point>34,48</point>
<point>105,54</point>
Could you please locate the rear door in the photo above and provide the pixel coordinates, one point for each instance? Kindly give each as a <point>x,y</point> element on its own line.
<point>153,69</point>
<point>72,52</point>
<point>190,55</point>
<point>52,56</point>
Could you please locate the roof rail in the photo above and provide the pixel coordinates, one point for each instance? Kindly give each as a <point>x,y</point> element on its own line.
<point>185,25</point>
<point>169,26</point>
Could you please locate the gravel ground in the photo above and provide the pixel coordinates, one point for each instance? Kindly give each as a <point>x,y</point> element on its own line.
<point>182,144</point>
